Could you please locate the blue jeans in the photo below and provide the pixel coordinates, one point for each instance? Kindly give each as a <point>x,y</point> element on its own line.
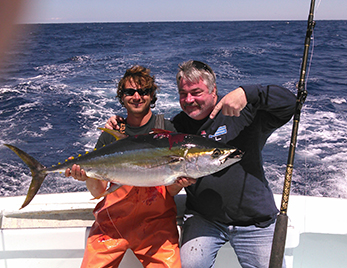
<point>202,239</point>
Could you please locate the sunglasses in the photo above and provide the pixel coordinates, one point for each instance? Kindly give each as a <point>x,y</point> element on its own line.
<point>202,66</point>
<point>141,92</point>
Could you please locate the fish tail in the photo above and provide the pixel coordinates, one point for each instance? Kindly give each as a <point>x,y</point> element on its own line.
<point>38,173</point>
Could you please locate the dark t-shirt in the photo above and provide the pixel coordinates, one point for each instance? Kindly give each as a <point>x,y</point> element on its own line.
<point>106,138</point>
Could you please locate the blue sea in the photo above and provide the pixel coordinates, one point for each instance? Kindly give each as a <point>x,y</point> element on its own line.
<point>58,85</point>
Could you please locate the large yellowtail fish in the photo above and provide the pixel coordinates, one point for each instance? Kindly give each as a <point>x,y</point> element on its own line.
<point>144,160</point>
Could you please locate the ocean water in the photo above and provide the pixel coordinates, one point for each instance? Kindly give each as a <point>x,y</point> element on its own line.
<point>58,85</point>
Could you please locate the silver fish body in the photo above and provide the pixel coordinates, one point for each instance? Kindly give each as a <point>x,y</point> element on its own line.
<point>143,160</point>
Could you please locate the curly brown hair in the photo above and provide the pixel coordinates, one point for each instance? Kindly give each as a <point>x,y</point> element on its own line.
<point>141,76</point>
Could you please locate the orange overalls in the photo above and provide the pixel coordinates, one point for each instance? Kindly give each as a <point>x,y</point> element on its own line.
<point>140,218</point>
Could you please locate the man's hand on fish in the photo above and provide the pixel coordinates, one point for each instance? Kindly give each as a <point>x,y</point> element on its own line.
<point>180,183</point>
<point>231,104</point>
<point>96,187</point>
<point>185,182</point>
<point>76,172</point>
<point>112,122</point>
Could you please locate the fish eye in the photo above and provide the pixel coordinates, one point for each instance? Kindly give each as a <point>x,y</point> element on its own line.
<point>216,153</point>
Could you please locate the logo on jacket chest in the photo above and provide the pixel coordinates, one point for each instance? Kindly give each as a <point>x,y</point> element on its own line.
<point>222,130</point>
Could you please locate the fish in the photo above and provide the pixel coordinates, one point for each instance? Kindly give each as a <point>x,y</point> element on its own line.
<point>154,159</point>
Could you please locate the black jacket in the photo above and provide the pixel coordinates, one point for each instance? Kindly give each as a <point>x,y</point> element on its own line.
<point>240,195</point>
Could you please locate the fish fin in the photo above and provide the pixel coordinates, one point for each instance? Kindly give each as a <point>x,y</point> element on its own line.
<point>114,187</point>
<point>174,158</point>
<point>114,133</point>
<point>161,131</point>
<point>37,172</point>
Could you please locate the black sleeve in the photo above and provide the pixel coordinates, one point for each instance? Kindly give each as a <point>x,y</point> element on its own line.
<point>275,100</point>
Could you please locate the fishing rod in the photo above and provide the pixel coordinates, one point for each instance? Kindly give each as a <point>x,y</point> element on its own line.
<point>279,239</point>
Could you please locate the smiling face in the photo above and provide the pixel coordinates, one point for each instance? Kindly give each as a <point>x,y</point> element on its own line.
<point>136,104</point>
<point>195,99</point>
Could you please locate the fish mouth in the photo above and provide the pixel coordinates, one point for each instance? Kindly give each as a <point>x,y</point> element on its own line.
<point>234,154</point>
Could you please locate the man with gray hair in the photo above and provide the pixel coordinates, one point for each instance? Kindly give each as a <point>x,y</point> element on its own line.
<point>235,204</point>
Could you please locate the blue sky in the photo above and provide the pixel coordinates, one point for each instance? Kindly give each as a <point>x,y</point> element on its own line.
<point>60,11</point>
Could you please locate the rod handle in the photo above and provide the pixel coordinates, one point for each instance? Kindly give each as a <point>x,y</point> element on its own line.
<point>278,243</point>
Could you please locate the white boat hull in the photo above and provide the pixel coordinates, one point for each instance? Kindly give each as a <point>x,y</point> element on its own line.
<point>52,231</point>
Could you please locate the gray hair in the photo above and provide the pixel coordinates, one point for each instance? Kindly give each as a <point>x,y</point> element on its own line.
<point>193,70</point>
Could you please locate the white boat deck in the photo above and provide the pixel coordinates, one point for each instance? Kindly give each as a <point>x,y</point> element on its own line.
<point>52,230</point>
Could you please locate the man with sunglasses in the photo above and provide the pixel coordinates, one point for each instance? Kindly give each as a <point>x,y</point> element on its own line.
<point>235,204</point>
<point>140,218</point>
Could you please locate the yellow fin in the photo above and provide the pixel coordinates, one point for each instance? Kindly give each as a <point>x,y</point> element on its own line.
<point>114,133</point>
